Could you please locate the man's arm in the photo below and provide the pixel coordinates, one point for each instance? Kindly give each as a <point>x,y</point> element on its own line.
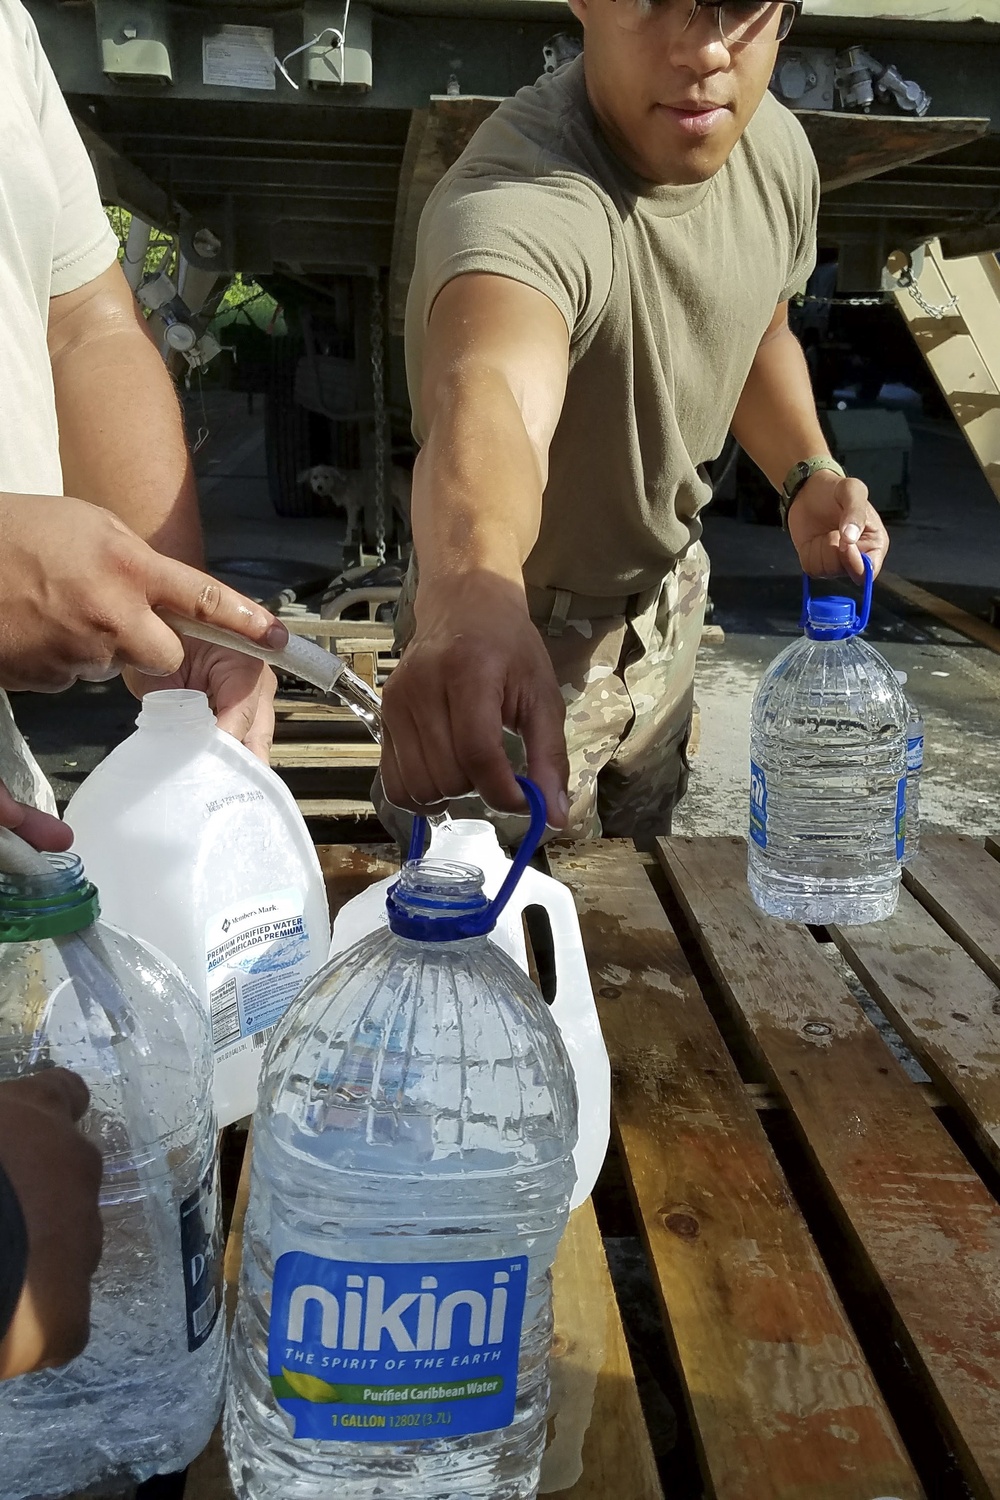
<point>52,1178</point>
<point>831,521</point>
<point>496,359</point>
<point>122,445</point>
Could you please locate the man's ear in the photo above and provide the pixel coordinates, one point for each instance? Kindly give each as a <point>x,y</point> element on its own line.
<point>579,9</point>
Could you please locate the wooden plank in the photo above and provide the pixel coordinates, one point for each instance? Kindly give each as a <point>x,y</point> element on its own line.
<point>288,707</point>
<point>781,1398</point>
<point>852,148</point>
<point>922,1222</point>
<point>436,139</point>
<point>349,869</point>
<point>329,731</point>
<point>598,1444</point>
<point>942,609</point>
<point>350,635</point>
<point>311,755</point>
<point>959,883</point>
<point>942,1004</point>
<point>365,664</point>
<point>335,807</point>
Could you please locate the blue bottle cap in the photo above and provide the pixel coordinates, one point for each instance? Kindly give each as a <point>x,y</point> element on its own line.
<point>834,618</point>
<point>831,619</point>
<point>449,903</point>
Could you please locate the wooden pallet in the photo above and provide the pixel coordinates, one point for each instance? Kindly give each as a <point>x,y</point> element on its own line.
<point>321,750</point>
<point>328,760</point>
<point>818,1202</point>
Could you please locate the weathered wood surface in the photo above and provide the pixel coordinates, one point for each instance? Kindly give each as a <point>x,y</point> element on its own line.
<point>314,755</point>
<point>598,1443</point>
<point>942,1004</point>
<point>959,883</point>
<point>851,148</point>
<point>436,139</point>
<point>780,1394</point>
<point>925,1226</point>
<point>949,614</point>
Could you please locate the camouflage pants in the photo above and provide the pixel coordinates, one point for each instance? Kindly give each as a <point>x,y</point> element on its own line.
<point>628,684</point>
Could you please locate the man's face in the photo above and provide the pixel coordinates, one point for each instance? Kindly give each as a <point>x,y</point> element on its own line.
<point>671,97</point>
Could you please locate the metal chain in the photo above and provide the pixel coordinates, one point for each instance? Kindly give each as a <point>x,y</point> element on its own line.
<point>878,301</point>
<point>377,341</point>
<point>908,282</point>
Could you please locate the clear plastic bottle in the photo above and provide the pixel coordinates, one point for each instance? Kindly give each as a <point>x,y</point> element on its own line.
<point>473,841</point>
<point>199,849</point>
<point>828,774</point>
<point>145,1394</point>
<point>412,1173</point>
<point>914,767</point>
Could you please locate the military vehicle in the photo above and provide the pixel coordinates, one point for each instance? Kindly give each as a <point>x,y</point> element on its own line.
<point>296,141</point>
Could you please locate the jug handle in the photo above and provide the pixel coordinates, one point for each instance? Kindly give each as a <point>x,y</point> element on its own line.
<point>530,842</point>
<point>860,621</point>
<point>575,1013</point>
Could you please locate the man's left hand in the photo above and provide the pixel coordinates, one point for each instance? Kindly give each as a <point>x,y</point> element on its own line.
<point>832,522</point>
<point>239,688</point>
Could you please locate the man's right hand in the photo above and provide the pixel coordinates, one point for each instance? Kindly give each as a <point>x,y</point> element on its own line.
<point>476,666</point>
<point>56,1176</point>
<point>79,591</point>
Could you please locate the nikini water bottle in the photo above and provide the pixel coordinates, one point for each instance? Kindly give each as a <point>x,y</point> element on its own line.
<point>412,1172</point>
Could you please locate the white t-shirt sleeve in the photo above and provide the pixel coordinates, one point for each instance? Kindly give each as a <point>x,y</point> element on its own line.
<point>85,244</point>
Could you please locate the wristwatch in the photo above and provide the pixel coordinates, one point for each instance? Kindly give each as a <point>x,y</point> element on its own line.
<point>800,476</point>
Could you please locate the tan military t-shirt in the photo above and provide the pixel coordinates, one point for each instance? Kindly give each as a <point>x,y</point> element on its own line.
<point>666,292</point>
<point>54,237</point>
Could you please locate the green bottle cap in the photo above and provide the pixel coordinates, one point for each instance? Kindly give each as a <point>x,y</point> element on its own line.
<point>47,907</point>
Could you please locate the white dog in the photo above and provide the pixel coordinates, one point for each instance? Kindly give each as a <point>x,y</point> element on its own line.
<point>344,488</point>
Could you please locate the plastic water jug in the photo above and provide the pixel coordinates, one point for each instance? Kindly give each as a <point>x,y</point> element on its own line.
<point>145,1394</point>
<point>200,850</point>
<point>828,736</point>
<point>914,768</point>
<point>473,841</point>
<point>412,1172</point>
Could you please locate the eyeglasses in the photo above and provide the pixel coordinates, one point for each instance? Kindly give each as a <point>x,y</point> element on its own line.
<point>740,22</point>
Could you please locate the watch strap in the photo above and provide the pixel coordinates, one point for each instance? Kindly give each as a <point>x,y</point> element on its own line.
<point>800,476</point>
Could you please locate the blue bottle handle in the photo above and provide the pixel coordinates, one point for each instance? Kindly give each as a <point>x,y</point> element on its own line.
<point>860,621</point>
<point>530,842</point>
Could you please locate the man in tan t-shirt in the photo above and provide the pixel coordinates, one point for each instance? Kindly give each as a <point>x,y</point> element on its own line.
<point>600,294</point>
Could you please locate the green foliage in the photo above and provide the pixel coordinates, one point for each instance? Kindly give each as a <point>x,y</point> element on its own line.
<point>245,301</point>
<point>160,243</point>
<point>242,301</point>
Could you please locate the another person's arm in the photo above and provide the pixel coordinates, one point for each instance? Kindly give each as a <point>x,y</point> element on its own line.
<point>496,358</point>
<point>50,1226</point>
<point>831,521</point>
<point>79,594</point>
<point>122,446</point>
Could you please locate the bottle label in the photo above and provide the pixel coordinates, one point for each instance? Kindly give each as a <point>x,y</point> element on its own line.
<point>915,749</point>
<point>901,818</point>
<point>388,1353</point>
<point>758,805</point>
<point>201,1252</point>
<point>258,959</point>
